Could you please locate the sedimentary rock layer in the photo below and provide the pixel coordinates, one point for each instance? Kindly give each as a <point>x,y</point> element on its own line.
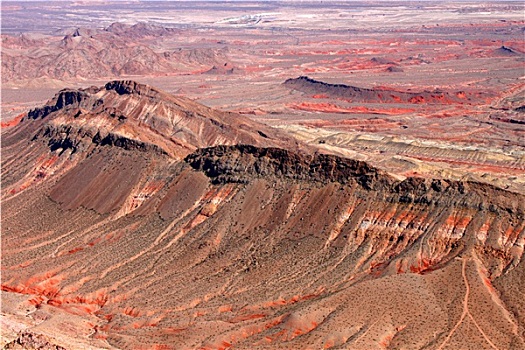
<point>248,247</point>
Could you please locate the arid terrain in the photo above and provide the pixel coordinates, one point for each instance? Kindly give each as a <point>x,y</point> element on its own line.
<point>263,175</point>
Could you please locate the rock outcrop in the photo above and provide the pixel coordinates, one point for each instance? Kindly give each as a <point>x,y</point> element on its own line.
<point>239,163</point>
<point>244,163</point>
<point>27,340</point>
<point>375,95</point>
<point>133,115</point>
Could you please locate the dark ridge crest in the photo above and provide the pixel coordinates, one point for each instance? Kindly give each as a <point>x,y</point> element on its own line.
<point>373,95</point>
<point>239,163</point>
<point>243,163</point>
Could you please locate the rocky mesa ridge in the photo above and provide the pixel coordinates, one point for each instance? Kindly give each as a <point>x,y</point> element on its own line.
<point>374,95</point>
<point>246,246</point>
<point>131,114</point>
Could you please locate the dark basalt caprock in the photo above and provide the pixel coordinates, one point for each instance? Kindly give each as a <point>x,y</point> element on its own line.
<point>243,163</point>
<point>128,87</point>
<point>374,95</point>
<point>84,97</point>
<point>65,98</point>
<point>240,162</point>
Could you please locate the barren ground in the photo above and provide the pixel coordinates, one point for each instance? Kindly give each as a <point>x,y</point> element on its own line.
<point>236,57</point>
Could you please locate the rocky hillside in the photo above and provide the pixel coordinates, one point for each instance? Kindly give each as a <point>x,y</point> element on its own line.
<point>243,163</point>
<point>117,51</point>
<point>243,246</point>
<point>132,115</point>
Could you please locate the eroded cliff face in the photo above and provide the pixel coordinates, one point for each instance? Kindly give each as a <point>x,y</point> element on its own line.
<point>249,247</point>
<point>467,203</point>
<point>240,163</point>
